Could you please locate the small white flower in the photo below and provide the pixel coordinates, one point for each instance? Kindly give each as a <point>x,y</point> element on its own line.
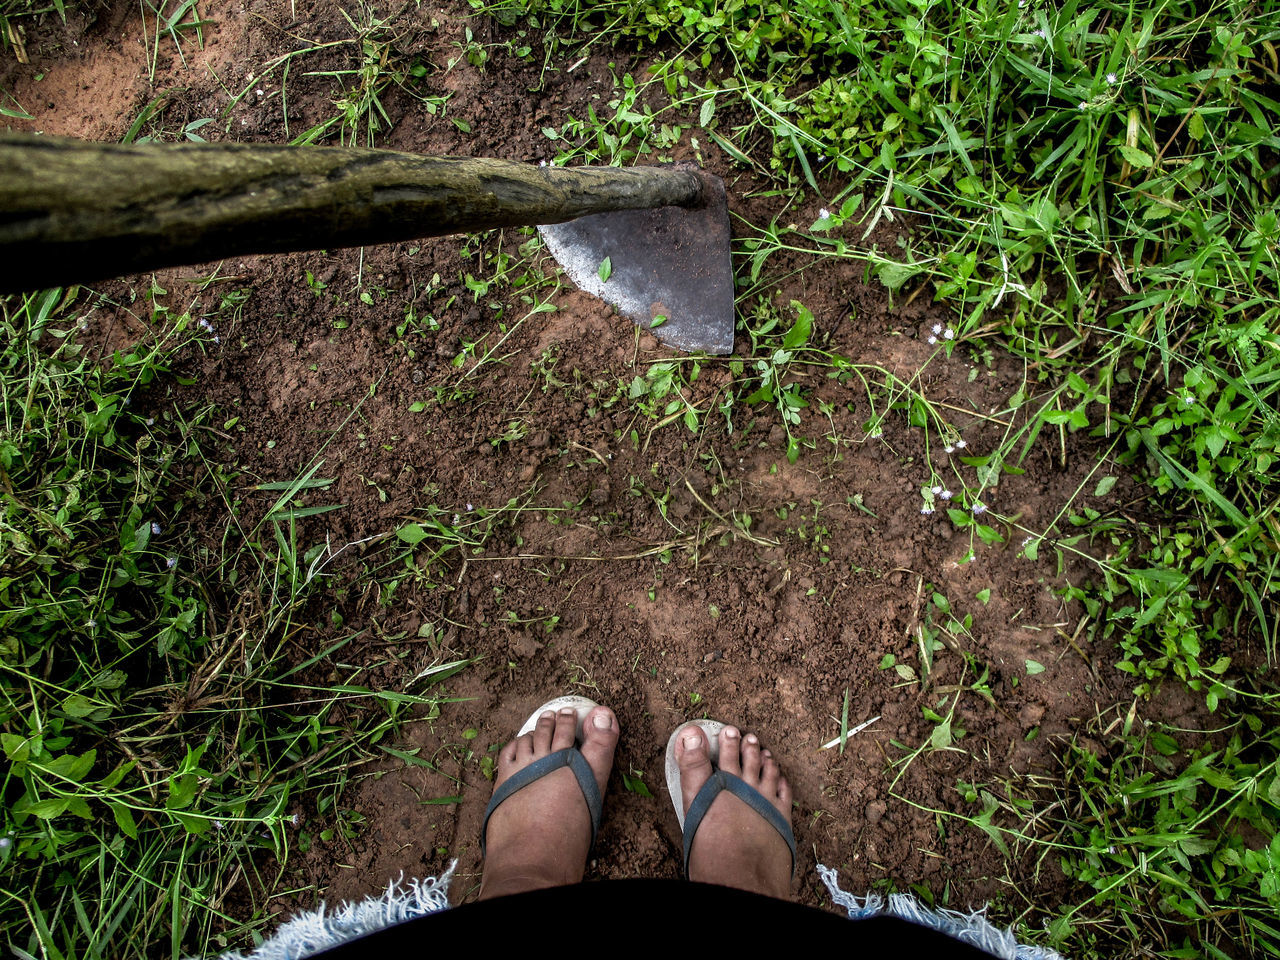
<point>937,328</point>
<point>1111,79</point>
<point>151,421</point>
<point>218,825</point>
<point>876,434</point>
<point>216,338</point>
<point>969,557</point>
<point>926,510</point>
<point>469,508</point>
<point>205,323</point>
<point>935,490</point>
<point>258,91</point>
<point>91,624</point>
<point>948,334</point>
<point>171,562</point>
<point>822,158</point>
<point>1040,32</point>
<point>824,214</point>
<point>5,843</point>
<point>1083,105</point>
<point>961,444</point>
<point>542,163</point>
<point>1027,540</point>
<point>295,819</point>
<point>1188,399</point>
<point>155,528</point>
<point>932,339</point>
<point>946,495</point>
<point>978,508</point>
<point>948,449</point>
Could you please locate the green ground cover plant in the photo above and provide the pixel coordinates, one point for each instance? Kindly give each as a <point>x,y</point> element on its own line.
<point>155,734</point>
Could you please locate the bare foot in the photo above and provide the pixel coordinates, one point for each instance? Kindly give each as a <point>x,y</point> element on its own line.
<point>734,845</point>
<point>540,835</point>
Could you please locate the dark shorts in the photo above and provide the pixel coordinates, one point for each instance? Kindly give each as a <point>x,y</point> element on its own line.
<point>655,917</point>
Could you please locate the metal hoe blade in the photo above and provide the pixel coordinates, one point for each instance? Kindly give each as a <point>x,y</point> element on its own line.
<point>668,262</point>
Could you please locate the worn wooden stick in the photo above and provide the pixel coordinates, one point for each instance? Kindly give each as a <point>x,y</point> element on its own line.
<point>72,211</point>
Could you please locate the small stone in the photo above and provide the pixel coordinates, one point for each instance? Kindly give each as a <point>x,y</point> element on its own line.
<point>875,811</point>
<point>1031,714</point>
<point>418,376</point>
<point>712,657</point>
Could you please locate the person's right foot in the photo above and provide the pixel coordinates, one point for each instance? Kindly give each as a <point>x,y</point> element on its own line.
<point>734,845</point>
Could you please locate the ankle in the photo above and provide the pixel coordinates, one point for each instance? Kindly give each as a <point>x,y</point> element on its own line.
<point>502,882</point>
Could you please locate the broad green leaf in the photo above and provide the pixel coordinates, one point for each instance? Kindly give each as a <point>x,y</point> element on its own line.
<point>1138,158</point>
<point>124,820</point>
<point>412,533</point>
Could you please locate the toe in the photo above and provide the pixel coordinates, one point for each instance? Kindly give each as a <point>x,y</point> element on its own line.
<point>731,751</point>
<point>784,798</point>
<point>751,759</point>
<point>507,759</point>
<point>694,759</point>
<point>600,733</point>
<point>524,749</point>
<point>542,733</point>
<point>770,774</point>
<point>565,733</point>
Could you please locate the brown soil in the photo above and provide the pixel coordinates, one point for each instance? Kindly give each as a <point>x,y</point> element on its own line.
<point>663,615</point>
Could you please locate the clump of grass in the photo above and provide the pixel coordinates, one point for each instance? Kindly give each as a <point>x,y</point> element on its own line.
<point>162,744</point>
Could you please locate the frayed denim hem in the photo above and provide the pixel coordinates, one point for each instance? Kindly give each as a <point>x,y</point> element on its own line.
<point>312,931</point>
<point>971,928</point>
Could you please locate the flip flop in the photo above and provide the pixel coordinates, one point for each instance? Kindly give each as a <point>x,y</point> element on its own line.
<point>719,782</point>
<point>570,757</point>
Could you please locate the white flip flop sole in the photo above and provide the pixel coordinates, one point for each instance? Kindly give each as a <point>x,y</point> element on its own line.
<point>711,730</point>
<point>581,705</point>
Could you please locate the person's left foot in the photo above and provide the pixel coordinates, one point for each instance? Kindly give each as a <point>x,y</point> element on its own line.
<point>540,835</point>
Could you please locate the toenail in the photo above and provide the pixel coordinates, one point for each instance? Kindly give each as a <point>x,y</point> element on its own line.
<point>751,738</point>
<point>602,721</point>
<point>547,715</point>
<point>730,732</point>
<point>692,741</point>
<point>567,711</point>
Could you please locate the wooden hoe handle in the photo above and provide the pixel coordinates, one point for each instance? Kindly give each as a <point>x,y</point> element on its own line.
<point>73,211</point>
